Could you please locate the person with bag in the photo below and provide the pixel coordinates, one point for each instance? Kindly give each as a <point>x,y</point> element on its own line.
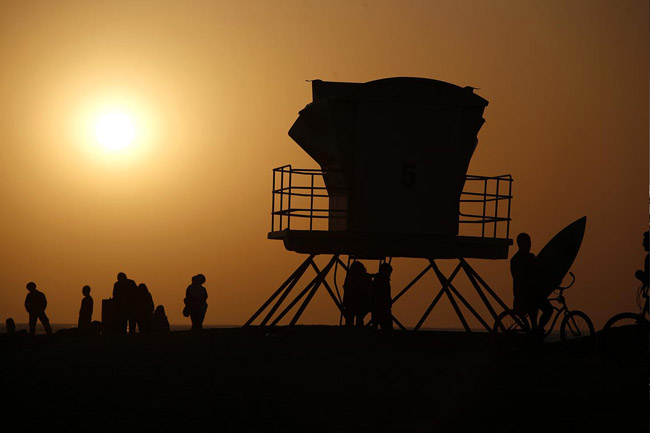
<point>195,301</point>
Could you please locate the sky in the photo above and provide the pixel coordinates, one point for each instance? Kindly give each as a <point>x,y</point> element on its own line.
<point>212,87</point>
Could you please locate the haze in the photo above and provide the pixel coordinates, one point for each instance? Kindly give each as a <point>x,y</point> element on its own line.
<point>213,88</point>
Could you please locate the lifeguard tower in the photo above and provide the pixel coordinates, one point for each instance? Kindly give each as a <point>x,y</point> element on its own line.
<point>392,182</point>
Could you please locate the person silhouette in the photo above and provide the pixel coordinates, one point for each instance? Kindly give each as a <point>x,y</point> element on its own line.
<point>124,291</point>
<point>10,326</point>
<point>356,294</point>
<point>143,308</point>
<point>528,297</point>
<point>159,322</point>
<point>381,301</point>
<point>35,304</point>
<point>195,301</point>
<point>642,274</point>
<point>10,329</point>
<point>86,310</point>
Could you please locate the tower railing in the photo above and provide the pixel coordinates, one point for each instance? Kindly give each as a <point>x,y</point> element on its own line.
<point>300,201</point>
<point>485,202</point>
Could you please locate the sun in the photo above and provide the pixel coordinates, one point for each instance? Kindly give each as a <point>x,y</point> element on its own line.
<point>115,130</point>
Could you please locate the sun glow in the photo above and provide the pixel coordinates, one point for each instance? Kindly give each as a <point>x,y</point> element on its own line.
<point>115,130</point>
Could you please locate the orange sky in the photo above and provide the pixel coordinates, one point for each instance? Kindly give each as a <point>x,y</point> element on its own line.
<point>215,87</point>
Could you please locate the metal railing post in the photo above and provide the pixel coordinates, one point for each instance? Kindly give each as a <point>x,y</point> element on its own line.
<point>509,200</point>
<point>485,181</point>
<point>496,208</point>
<point>273,203</point>
<point>311,203</point>
<point>281,197</point>
<point>289,203</point>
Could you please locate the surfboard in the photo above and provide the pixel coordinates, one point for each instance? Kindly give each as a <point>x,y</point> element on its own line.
<point>557,256</point>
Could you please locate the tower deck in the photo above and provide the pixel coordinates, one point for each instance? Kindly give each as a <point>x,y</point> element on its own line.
<point>379,245</point>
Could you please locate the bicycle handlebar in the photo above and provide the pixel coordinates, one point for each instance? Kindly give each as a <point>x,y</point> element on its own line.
<point>573,280</point>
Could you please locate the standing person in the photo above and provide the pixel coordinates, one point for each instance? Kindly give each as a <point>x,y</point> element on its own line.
<point>525,286</point>
<point>355,294</point>
<point>124,290</point>
<point>86,310</point>
<point>143,308</point>
<point>35,304</point>
<point>381,301</point>
<point>195,301</point>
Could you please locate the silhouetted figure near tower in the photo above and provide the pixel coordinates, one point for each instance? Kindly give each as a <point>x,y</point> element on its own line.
<point>35,304</point>
<point>195,301</point>
<point>143,308</point>
<point>356,294</point>
<point>381,301</point>
<point>642,274</point>
<point>124,291</point>
<point>528,297</point>
<point>86,310</point>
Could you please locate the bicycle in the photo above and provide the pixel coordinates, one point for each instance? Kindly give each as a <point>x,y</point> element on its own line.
<point>514,330</point>
<point>624,338</point>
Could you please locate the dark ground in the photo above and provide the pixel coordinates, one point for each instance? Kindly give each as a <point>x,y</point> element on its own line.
<point>314,379</point>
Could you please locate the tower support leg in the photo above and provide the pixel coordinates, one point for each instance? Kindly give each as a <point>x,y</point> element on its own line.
<point>453,294</point>
<point>282,293</point>
<point>290,282</point>
<point>470,272</point>
<point>320,277</point>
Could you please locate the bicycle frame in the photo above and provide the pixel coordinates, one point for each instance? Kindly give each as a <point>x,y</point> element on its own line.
<point>644,311</point>
<point>562,301</point>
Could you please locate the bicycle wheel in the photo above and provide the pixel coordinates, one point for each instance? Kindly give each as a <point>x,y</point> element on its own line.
<point>625,338</point>
<point>576,331</point>
<point>511,331</point>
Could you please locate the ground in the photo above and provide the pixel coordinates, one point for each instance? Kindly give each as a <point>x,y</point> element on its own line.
<point>315,379</point>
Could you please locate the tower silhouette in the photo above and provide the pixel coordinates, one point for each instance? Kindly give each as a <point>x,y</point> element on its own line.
<point>393,156</point>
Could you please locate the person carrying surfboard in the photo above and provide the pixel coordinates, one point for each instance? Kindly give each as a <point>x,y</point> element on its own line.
<point>528,296</point>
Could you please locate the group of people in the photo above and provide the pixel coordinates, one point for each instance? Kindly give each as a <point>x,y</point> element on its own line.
<point>131,307</point>
<point>36,303</point>
<point>365,293</point>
